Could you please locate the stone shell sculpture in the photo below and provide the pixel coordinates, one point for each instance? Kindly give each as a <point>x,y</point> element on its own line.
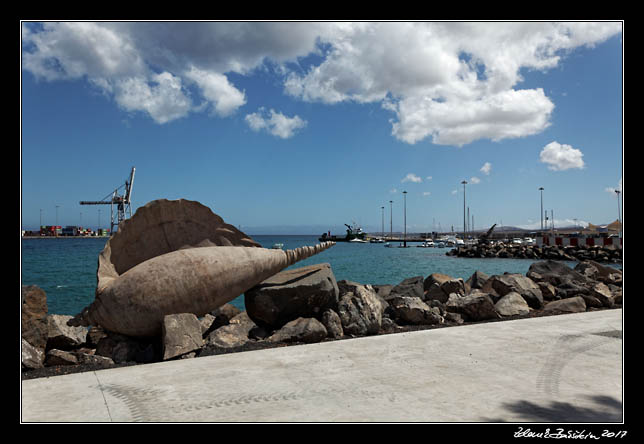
<point>177,256</point>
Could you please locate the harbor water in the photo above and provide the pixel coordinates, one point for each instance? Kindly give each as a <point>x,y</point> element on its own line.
<point>66,267</point>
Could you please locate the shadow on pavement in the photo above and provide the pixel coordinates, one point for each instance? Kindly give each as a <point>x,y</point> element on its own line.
<point>606,409</point>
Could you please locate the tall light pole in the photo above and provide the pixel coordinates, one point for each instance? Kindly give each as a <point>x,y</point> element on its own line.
<point>405,218</point>
<point>541,189</point>
<point>391,219</point>
<point>40,218</point>
<point>382,232</point>
<point>56,229</point>
<point>464,183</point>
<point>619,219</point>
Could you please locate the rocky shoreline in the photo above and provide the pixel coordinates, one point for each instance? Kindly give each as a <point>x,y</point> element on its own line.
<point>555,252</point>
<point>307,305</point>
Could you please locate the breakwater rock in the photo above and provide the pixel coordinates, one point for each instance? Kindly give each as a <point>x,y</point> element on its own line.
<point>325,310</point>
<point>554,252</point>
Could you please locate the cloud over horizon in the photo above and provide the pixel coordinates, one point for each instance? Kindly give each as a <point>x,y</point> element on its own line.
<point>411,177</point>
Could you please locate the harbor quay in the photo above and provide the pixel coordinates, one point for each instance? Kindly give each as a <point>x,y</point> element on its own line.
<point>565,369</point>
<point>307,305</point>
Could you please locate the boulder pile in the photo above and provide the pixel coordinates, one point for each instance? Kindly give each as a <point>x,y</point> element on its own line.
<point>554,252</point>
<point>307,304</point>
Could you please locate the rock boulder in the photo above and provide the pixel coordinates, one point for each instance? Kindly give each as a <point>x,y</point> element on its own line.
<point>435,278</point>
<point>333,324</point>
<point>557,273</point>
<point>308,330</point>
<point>477,280</point>
<point>34,327</point>
<point>62,336</point>
<point>512,304</point>
<point>235,334</point>
<point>476,306</point>
<point>412,310</point>
<point>32,357</point>
<point>181,334</point>
<point>601,291</point>
<point>411,287</point>
<point>291,294</point>
<point>360,311</point>
<point>570,305</point>
<point>60,357</point>
<point>500,285</point>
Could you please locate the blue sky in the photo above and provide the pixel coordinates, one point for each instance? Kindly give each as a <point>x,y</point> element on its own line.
<point>301,127</point>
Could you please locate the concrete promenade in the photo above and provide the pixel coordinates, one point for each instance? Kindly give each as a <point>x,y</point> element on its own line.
<point>565,368</point>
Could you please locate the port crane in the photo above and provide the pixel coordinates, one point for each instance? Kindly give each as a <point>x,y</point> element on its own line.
<point>123,202</point>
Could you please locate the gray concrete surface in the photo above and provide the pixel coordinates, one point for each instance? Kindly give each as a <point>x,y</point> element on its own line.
<point>565,368</point>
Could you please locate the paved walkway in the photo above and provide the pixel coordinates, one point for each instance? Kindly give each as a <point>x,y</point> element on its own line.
<point>564,368</point>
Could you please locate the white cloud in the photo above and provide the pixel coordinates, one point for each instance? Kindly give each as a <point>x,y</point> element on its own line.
<point>612,190</point>
<point>427,193</point>
<point>161,96</point>
<point>275,123</point>
<point>429,178</point>
<point>450,82</point>
<point>474,180</point>
<point>508,114</point>
<point>139,63</point>
<point>486,168</point>
<point>393,191</point>
<point>217,90</point>
<point>560,157</point>
<point>559,223</point>
<point>454,192</point>
<point>411,177</point>
<point>77,49</point>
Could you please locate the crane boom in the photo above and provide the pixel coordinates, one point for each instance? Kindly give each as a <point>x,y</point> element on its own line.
<point>128,187</point>
<point>95,202</point>
<point>123,203</point>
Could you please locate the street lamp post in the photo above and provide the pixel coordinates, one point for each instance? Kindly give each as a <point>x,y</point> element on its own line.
<point>619,219</point>
<point>391,219</point>
<point>541,189</point>
<point>464,230</point>
<point>405,218</point>
<point>382,232</point>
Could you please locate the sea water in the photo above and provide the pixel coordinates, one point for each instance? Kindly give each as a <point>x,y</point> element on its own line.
<point>66,267</point>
